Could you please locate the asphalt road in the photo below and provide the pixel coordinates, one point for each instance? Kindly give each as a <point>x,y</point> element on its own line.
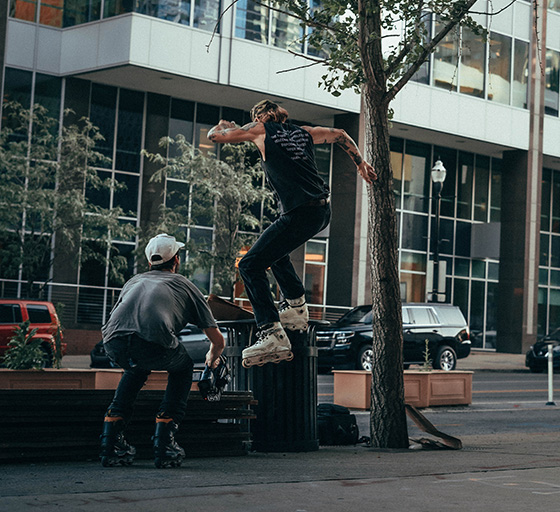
<point>507,402</point>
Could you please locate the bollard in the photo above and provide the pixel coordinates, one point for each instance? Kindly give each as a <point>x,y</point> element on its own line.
<point>550,375</point>
<point>286,413</point>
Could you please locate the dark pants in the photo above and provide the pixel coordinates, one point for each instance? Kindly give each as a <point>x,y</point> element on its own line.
<point>139,358</point>
<point>272,250</point>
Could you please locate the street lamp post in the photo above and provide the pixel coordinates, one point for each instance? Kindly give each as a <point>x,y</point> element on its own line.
<point>438,177</point>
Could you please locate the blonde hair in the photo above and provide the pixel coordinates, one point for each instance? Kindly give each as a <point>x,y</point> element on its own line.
<point>267,110</point>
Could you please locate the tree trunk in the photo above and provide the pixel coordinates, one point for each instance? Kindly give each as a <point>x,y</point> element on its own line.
<point>388,424</point>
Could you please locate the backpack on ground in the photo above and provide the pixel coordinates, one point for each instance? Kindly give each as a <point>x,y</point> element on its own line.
<point>336,426</point>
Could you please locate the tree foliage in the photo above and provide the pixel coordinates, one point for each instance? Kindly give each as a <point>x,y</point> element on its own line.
<point>225,193</point>
<point>44,174</point>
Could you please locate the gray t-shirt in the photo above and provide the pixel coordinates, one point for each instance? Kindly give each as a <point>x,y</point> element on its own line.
<point>155,306</point>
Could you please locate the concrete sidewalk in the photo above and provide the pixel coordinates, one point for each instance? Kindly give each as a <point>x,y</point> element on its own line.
<point>498,473</point>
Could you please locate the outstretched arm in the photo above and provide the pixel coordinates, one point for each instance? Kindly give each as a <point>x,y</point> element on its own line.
<point>217,344</point>
<point>322,135</point>
<point>229,132</point>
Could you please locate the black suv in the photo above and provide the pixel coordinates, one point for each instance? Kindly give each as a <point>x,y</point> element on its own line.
<point>347,343</point>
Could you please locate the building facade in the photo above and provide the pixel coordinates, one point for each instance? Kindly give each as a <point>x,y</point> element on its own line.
<point>488,109</point>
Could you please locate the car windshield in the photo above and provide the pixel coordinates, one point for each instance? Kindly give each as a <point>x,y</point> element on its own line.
<point>359,315</point>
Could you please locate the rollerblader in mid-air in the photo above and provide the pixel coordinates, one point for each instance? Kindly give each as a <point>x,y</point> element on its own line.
<point>140,336</point>
<point>288,159</point>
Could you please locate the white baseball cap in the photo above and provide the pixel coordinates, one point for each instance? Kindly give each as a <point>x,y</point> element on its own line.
<point>162,248</point>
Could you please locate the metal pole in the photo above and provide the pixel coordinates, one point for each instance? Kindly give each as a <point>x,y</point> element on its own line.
<point>435,278</point>
<point>550,377</point>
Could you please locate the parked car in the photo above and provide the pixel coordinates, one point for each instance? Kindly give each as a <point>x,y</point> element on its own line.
<point>193,338</point>
<point>41,315</point>
<point>347,344</point>
<point>536,358</point>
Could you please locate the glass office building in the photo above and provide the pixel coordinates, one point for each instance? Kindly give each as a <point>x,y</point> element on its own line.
<point>144,70</point>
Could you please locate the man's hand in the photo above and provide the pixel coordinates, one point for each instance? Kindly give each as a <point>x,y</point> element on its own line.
<point>217,344</point>
<point>367,172</point>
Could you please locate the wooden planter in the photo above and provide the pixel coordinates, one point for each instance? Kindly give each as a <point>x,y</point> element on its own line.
<point>352,388</point>
<point>64,378</point>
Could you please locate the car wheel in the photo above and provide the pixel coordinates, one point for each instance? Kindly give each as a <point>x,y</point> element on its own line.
<point>47,358</point>
<point>364,359</point>
<point>445,359</point>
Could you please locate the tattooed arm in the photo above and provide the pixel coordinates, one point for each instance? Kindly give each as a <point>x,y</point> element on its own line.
<point>228,132</point>
<point>322,135</point>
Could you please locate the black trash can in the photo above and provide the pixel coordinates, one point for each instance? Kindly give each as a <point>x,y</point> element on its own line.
<point>286,392</point>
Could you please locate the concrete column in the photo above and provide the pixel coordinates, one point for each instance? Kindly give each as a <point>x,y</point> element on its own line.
<point>520,217</point>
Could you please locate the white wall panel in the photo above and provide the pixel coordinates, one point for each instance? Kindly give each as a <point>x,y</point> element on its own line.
<point>80,48</point>
<point>20,44</point>
<point>553,30</point>
<point>551,136</point>
<point>522,20</point>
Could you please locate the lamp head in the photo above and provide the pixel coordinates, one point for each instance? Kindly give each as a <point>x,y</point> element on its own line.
<point>438,172</point>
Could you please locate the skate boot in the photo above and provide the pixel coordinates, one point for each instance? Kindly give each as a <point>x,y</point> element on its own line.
<point>294,314</point>
<point>167,453</point>
<point>272,346</point>
<point>214,380</point>
<point>114,447</point>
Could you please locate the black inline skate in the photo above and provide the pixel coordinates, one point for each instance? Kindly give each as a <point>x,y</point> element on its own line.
<point>115,449</point>
<point>214,380</point>
<point>167,453</point>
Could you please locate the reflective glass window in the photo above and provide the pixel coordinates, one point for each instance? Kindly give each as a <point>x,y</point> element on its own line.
<point>482,177</point>
<point>124,269</point>
<point>446,58</point>
<point>416,177</point>
<point>476,321</point>
<point>177,194</point>
<point>463,239</point>
<point>499,68</point>
<point>129,133</point>
<point>396,166</point>
<point>555,251</point>
<point>544,250</point>
<point>555,227</point>
<point>206,14</point>
<point>17,88</point>
<point>413,261</point>
<point>462,267</point>
<point>181,122</point>
<point>465,186</point>
<point>206,117</point>
<point>542,312</point>
<point>413,287</point>
<point>543,276</point>
<point>323,160</point>
<point>202,239</point>
<point>51,13</point>
<point>473,62</point>
<point>285,31</point>
<point>422,76</point>
<point>554,278</point>
<point>102,114</point>
<point>100,196</point>
<point>493,270</point>
<point>23,9</point>
<point>126,193</point>
<point>491,315</point>
<point>47,94</point>
<point>520,73</point>
<point>251,21</point>
<point>315,283</point>
<point>116,7</point>
<point>80,11</point>
<point>449,160</point>
<point>461,295</point>
<point>496,192</point>
<point>552,70</point>
<point>414,232</point>
<point>546,191</point>
<point>445,236</point>
<point>177,11</point>
<point>553,310</point>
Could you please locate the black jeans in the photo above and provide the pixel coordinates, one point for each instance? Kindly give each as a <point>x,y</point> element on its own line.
<point>272,250</point>
<point>138,358</point>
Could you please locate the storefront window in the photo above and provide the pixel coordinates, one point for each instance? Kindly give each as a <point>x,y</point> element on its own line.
<point>473,57</point>
<point>414,231</point>
<point>129,133</point>
<point>396,167</point>
<point>499,68</point>
<point>416,177</point>
<point>555,228</point>
<point>465,186</point>
<point>546,189</point>
<point>482,176</point>
<point>496,192</point>
<point>206,117</point>
<point>102,114</point>
<point>315,260</point>
<point>285,31</point>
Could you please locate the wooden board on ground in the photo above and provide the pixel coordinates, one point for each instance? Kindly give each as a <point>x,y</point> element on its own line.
<point>424,425</point>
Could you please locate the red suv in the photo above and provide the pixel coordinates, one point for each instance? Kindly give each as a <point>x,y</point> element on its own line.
<point>41,315</point>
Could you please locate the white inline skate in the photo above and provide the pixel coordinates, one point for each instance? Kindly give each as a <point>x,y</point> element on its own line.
<point>272,346</point>
<point>294,314</point>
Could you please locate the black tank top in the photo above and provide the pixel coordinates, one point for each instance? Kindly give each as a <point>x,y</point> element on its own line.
<point>290,165</point>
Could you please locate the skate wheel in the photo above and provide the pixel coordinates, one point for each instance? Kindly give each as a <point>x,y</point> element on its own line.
<point>290,356</point>
<point>246,364</point>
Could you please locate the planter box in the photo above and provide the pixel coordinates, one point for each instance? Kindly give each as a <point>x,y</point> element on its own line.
<point>64,378</point>
<point>352,388</point>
